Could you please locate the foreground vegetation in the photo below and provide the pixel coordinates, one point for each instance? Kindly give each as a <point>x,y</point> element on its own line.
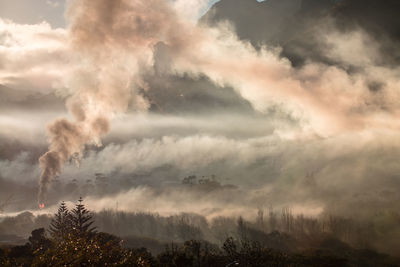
<point>73,240</point>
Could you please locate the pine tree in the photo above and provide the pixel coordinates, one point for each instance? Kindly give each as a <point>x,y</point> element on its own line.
<point>60,224</point>
<point>81,219</point>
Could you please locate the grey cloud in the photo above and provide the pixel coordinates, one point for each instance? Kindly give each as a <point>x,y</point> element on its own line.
<point>12,99</point>
<point>296,25</point>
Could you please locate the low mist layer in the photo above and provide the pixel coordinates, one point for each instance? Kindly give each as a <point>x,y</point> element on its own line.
<point>151,106</point>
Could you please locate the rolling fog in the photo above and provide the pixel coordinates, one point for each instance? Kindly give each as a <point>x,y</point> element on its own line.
<point>274,107</point>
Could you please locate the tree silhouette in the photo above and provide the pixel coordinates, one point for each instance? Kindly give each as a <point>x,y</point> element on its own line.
<point>81,219</point>
<point>60,224</point>
<point>38,240</point>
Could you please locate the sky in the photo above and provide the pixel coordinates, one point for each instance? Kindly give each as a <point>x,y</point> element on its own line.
<point>285,103</point>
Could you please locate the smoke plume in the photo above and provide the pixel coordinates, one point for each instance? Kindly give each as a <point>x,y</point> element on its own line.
<point>113,43</point>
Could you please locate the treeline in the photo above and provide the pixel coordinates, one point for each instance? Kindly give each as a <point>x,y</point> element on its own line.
<point>155,231</point>
<point>303,230</point>
<point>73,238</point>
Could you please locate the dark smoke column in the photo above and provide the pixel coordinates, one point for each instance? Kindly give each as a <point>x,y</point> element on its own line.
<point>67,139</point>
<point>51,166</point>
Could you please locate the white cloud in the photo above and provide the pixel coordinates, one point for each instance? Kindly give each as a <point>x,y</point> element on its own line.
<point>32,56</point>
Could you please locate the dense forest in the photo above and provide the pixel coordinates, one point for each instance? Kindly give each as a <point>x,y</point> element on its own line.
<point>78,237</point>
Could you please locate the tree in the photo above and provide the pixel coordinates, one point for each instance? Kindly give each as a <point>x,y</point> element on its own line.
<point>97,249</point>
<point>38,240</point>
<point>60,225</point>
<point>81,219</point>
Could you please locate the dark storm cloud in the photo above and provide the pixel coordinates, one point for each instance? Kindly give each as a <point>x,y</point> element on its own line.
<point>296,25</point>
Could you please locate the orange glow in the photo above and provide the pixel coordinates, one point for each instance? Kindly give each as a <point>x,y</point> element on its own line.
<point>41,206</point>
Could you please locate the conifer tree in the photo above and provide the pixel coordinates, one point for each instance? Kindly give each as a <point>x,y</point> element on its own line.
<point>81,218</point>
<point>60,225</point>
